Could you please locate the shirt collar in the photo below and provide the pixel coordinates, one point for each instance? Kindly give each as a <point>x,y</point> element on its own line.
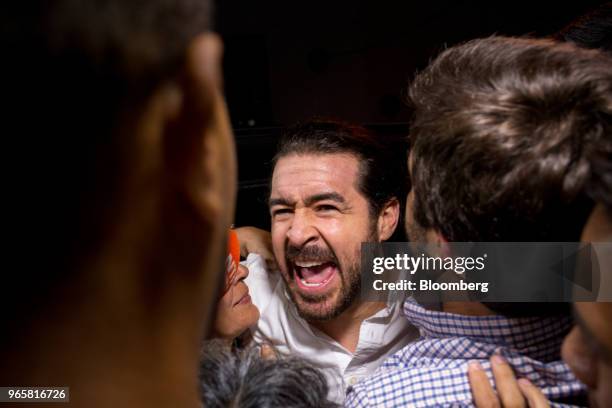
<point>529,334</point>
<point>393,300</point>
<point>383,317</point>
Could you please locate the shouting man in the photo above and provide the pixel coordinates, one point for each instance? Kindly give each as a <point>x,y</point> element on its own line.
<point>333,187</point>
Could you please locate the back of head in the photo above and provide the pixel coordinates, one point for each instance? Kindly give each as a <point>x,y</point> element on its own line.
<point>592,30</point>
<point>502,131</point>
<point>382,158</point>
<point>235,378</point>
<point>75,75</point>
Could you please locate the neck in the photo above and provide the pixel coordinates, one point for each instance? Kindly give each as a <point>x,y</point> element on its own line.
<point>346,327</point>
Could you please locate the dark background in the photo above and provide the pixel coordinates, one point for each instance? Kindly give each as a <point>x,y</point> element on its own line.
<point>287,61</point>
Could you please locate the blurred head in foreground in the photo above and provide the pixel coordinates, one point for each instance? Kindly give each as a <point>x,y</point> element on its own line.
<point>121,189</point>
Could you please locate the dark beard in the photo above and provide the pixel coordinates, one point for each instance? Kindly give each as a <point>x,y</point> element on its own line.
<point>348,295</point>
<point>350,281</point>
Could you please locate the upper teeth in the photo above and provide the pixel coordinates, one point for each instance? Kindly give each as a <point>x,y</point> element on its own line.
<point>307,264</point>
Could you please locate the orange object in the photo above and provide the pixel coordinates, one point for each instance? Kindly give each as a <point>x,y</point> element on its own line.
<point>233,246</point>
<point>233,259</point>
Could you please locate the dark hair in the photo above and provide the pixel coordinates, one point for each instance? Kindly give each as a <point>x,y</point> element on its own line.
<point>592,30</point>
<point>382,159</point>
<point>502,132</point>
<point>74,73</point>
<point>242,378</point>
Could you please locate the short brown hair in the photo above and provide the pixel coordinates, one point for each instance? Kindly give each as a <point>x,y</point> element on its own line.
<point>502,131</point>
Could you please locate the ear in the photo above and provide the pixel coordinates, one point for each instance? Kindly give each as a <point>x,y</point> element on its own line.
<point>200,171</point>
<point>199,143</point>
<point>388,219</point>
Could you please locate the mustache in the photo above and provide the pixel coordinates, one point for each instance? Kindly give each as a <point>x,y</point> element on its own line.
<point>310,253</point>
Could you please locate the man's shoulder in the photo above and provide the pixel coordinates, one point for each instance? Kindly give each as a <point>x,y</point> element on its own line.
<point>278,324</point>
<point>399,384</point>
<point>258,268</point>
<point>264,285</point>
<point>419,374</point>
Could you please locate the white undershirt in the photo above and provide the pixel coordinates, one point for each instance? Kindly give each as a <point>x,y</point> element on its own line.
<point>380,335</point>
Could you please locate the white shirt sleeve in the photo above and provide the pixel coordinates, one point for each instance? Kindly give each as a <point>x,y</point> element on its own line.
<point>260,281</point>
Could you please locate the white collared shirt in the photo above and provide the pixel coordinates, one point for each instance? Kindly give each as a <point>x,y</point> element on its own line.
<point>380,335</point>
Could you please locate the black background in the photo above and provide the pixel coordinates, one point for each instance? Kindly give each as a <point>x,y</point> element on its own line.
<point>287,61</point>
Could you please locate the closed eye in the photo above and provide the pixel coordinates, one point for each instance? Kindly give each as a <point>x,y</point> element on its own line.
<point>281,211</point>
<point>326,208</point>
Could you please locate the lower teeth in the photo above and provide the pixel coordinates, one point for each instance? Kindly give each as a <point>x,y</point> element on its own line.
<point>312,285</point>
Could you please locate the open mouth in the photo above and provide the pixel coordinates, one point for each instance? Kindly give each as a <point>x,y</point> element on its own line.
<point>313,276</point>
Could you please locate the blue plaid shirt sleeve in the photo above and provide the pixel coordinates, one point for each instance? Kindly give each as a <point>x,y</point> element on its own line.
<point>432,372</point>
<point>425,386</point>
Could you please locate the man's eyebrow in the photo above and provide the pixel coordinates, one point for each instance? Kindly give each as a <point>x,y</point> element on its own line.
<point>332,196</point>
<point>601,349</point>
<point>279,201</point>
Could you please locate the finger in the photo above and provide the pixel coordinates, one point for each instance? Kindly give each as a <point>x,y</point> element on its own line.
<point>482,392</point>
<point>505,381</point>
<point>230,272</point>
<point>229,264</point>
<point>234,275</point>
<point>267,352</point>
<point>534,395</point>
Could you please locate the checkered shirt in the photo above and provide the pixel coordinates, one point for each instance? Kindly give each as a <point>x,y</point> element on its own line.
<point>432,372</point>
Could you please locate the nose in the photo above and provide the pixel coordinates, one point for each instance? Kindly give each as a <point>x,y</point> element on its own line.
<point>242,273</point>
<point>301,231</point>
